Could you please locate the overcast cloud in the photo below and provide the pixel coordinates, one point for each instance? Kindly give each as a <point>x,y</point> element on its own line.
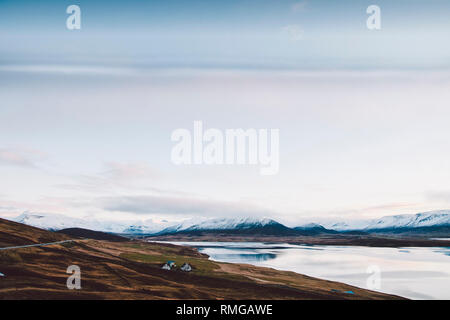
<point>176,205</point>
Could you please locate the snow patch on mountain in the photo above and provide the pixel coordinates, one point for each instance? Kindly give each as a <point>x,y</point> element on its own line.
<point>309,226</point>
<point>220,224</point>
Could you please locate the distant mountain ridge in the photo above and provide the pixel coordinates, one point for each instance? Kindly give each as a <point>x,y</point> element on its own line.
<point>423,222</point>
<point>406,221</point>
<point>313,229</point>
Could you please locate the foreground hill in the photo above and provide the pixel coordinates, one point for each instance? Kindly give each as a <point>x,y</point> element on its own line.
<point>132,270</point>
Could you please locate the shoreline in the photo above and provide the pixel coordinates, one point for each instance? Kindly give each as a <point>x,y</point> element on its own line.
<point>364,241</point>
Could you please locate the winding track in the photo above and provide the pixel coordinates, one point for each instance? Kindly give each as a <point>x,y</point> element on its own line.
<point>37,245</point>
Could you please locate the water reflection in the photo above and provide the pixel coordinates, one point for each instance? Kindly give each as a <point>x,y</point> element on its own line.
<point>239,254</point>
<point>247,257</point>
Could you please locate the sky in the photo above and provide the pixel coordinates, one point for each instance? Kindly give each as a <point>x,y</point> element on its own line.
<point>86,116</point>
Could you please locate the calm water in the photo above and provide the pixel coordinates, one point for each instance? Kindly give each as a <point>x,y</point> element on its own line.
<point>416,273</point>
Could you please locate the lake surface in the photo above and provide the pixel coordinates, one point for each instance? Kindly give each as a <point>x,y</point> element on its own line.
<point>416,273</point>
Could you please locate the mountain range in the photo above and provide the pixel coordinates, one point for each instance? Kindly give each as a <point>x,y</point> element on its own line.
<point>423,222</point>
<point>55,222</point>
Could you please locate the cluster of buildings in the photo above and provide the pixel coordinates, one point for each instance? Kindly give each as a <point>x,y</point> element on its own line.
<point>169,265</point>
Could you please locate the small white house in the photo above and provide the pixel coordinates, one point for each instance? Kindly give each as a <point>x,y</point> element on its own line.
<point>169,265</point>
<point>186,267</point>
<point>165,267</point>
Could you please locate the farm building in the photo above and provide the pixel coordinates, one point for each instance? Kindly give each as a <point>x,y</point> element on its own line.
<point>186,267</point>
<point>169,265</point>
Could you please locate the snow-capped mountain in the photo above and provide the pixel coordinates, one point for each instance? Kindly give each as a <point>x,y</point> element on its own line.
<point>56,222</point>
<point>311,229</point>
<point>425,219</point>
<point>51,221</point>
<point>309,226</point>
<point>228,224</point>
<point>219,224</point>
